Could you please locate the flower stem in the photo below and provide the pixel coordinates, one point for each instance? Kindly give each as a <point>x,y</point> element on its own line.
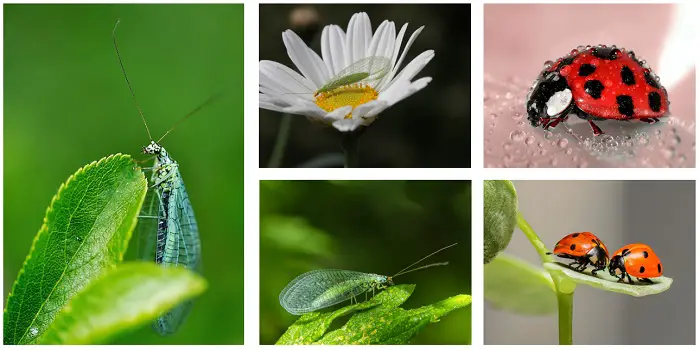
<point>350,146</point>
<point>566,315</point>
<point>564,287</point>
<point>280,142</point>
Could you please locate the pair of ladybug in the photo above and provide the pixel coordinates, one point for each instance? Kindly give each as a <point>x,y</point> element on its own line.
<point>596,83</point>
<point>633,260</point>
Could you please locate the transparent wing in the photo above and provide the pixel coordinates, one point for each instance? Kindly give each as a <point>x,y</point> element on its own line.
<point>374,66</point>
<point>147,227</point>
<point>319,289</point>
<point>182,246</point>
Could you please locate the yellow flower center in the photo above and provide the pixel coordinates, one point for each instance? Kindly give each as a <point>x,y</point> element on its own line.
<point>348,95</point>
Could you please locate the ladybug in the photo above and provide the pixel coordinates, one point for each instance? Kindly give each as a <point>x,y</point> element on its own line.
<point>635,260</point>
<point>596,83</point>
<point>584,248</point>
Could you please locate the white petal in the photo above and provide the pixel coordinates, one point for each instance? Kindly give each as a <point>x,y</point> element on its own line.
<point>414,67</point>
<point>347,125</point>
<point>361,110</point>
<point>338,114</point>
<point>288,80</point>
<point>405,51</point>
<point>378,39</point>
<point>394,56</point>
<point>301,57</point>
<point>333,48</point>
<point>403,89</point>
<point>358,38</point>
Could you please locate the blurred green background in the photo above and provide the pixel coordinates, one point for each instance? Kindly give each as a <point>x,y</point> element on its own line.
<point>429,129</point>
<point>66,104</point>
<point>368,226</point>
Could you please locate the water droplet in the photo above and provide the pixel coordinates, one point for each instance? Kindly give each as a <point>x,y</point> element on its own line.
<point>517,136</point>
<point>508,95</point>
<point>78,238</point>
<point>553,162</point>
<point>562,143</point>
<point>530,140</point>
<point>669,152</point>
<point>569,151</point>
<point>548,134</point>
<point>507,146</point>
<point>517,115</point>
<point>682,158</point>
<point>493,116</point>
<point>33,331</point>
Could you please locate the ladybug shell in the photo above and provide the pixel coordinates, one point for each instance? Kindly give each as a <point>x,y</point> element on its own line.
<point>640,261</point>
<point>578,244</point>
<point>609,83</point>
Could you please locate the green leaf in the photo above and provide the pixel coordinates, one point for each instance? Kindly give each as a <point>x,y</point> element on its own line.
<point>500,216</point>
<point>128,297</point>
<point>606,282</point>
<point>381,322</point>
<point>86,231</point>
<point>516,286</point>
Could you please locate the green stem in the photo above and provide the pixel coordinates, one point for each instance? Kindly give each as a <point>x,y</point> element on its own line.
<point>350,146</point>
<point>566,315</point>
<point>280,142</point>
<point>563,285</point>
<point>534,239</point>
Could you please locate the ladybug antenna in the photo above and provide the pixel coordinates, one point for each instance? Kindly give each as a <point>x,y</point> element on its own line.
<point>133,96</point>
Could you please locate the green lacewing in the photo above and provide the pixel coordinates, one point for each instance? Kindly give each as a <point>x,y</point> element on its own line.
<point>319,289</point>
<point>167,231</point>
<point>365,70</point>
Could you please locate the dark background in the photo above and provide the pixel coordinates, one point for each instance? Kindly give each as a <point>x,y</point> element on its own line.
<point>429,129</point>
<point>66,104</point>
<point>367,226</point>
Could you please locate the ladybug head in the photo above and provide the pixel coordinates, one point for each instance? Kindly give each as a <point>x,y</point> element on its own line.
<point>548,98</point>
<point>617,265</point>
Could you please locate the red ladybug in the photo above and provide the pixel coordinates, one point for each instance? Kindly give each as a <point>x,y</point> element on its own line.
<point>584,248</point>
<point>596,83</point>
<point>636,260</point>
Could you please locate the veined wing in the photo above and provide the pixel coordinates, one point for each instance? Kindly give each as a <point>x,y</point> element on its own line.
<point>182,247</point>
<point>374,66</point>
<point>319,289</point>
<point>147,228</point>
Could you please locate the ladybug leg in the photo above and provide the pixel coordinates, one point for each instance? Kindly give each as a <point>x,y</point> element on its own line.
<point>645,280</point>
<point>596,129</point>
<point>597,269</point>
<point>552,123</point>
<point>650,120</point>
<point>629,278</point>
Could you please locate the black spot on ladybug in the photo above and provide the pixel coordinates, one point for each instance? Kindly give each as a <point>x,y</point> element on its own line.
<point>646,255</point>
<point>641,269</point>
<point>594,88</point>
<point>655,101</point>
<point>627,76</point>
<point>625,105</point>
<point>575,235</point>
<point>658,266</point>
<point>606,53</point>
<point>573,246</point>
<point>586,70</point>
<point>651,80</point>
<point>625,252</point>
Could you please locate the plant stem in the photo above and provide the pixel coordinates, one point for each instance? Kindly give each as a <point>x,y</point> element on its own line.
<point>566,315</point>
<point>280,142</point>
<point>534,239</point>
<point>350,146</point>
<point>564,287</point>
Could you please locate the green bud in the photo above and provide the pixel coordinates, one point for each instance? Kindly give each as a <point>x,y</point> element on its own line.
<point>500,215</point>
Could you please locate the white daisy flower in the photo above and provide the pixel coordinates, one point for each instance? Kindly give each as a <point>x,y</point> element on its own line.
<point>356,77</point>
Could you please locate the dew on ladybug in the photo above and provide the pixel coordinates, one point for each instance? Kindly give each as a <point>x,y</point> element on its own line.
<point>596,83</point>
<point>635,260</point>
<point>583,248</point>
